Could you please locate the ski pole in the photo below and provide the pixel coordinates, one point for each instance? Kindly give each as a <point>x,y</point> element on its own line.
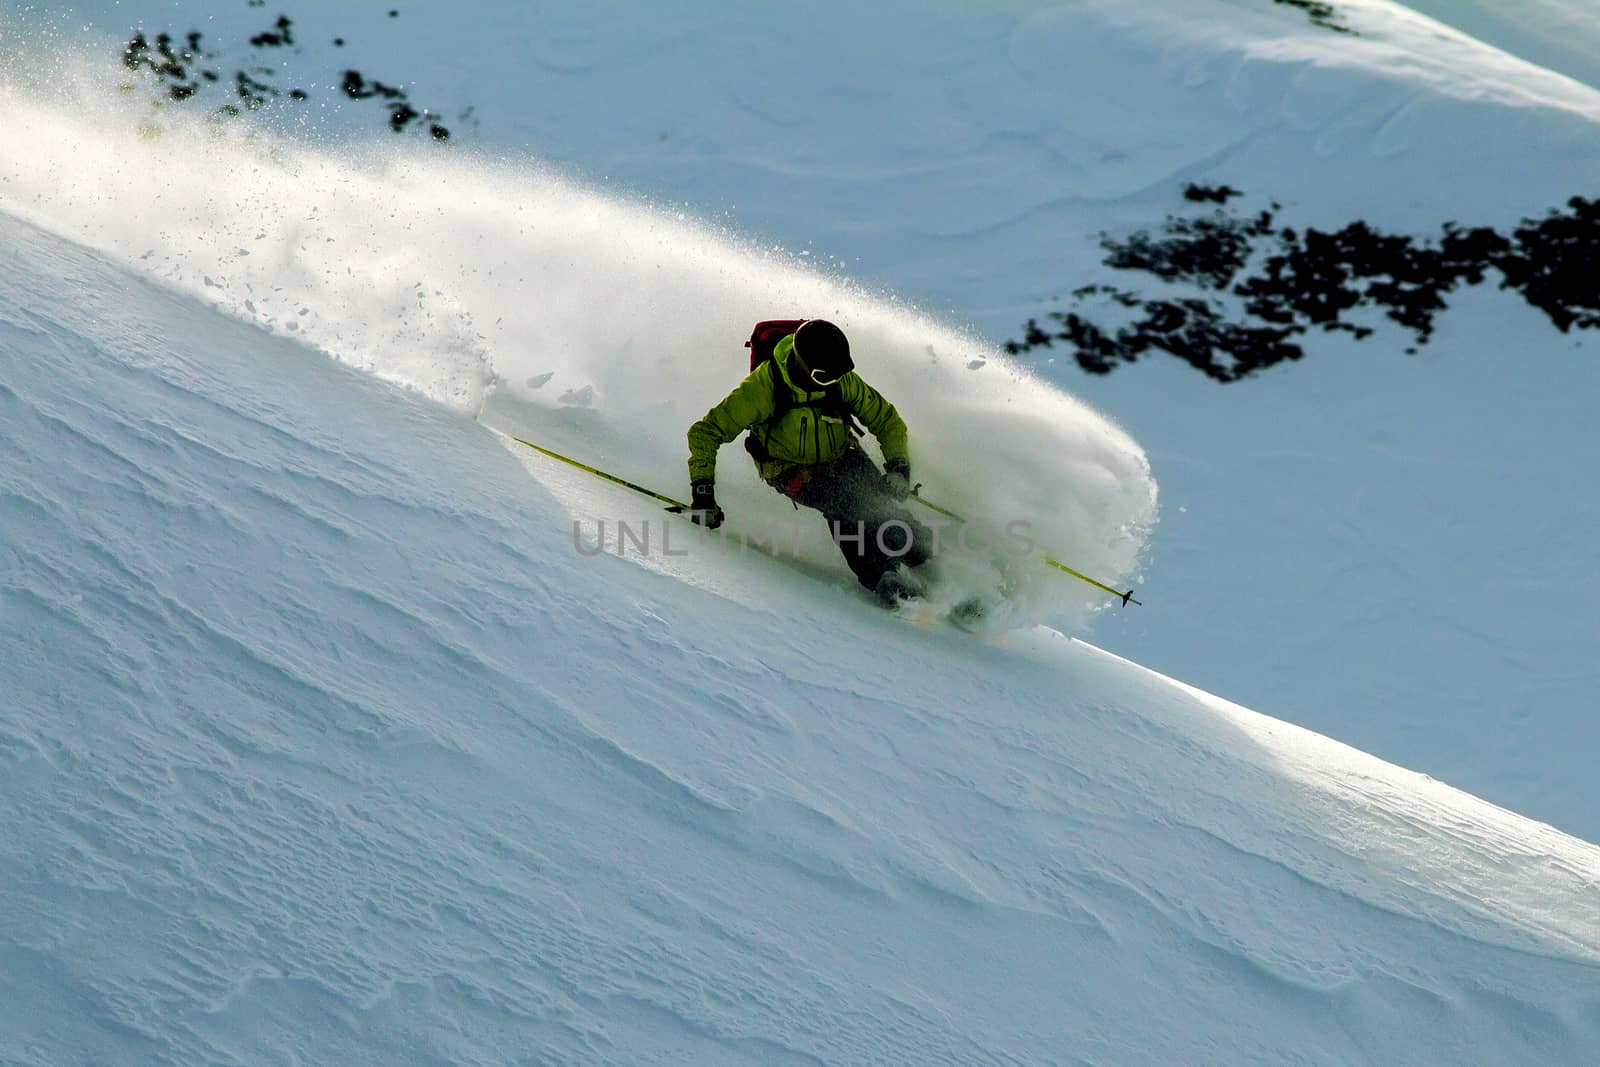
<point>597,472</point>
<point>1126,598</point>
<point>678,507</point>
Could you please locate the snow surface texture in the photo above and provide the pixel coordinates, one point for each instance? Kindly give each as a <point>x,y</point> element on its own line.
<point>1557,35</point>
<point>322,745</point>
<point>321,742</point>
<point>1394,551</point>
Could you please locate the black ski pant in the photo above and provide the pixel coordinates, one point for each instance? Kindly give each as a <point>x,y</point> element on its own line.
<point>872,530</point>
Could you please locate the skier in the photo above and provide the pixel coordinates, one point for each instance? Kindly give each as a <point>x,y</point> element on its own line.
<point>798,406</point>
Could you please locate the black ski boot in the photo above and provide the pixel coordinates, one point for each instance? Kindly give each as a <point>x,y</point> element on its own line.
<point>899,583</point>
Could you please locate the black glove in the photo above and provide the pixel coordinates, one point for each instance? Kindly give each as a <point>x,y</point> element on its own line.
<point>897,472</point>
<point>703,510</point>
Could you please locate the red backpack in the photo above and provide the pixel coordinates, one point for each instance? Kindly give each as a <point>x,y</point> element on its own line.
<point>765,337</point>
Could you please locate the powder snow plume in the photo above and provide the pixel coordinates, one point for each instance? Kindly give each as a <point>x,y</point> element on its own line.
<point>602,324</point>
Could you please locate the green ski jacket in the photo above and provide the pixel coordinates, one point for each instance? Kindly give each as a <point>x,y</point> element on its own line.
<point>803,435</point>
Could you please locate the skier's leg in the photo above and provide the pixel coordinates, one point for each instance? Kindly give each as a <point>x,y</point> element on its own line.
<point>900,537</point>
<point>894,534</point>
<point>870,528</point>
<point>838,491</point>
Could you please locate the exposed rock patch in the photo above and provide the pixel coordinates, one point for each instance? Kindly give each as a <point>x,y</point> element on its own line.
<point>1248,288</point>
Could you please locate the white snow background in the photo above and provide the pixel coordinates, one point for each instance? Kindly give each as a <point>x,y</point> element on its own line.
<point>322,744</point>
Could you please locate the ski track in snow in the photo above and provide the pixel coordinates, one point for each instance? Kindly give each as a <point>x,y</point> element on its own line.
<point>325,746</point>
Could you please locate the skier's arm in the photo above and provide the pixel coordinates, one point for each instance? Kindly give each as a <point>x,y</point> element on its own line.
<point>749,404</point>
<point>878,416</point>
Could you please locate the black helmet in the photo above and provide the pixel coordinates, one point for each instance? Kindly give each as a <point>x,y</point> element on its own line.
<point>824,350</point>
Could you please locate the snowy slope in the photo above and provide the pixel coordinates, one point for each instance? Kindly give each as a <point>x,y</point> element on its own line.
<point>1562,36</point>
<point>322,744</point>
<point>968,157</point>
